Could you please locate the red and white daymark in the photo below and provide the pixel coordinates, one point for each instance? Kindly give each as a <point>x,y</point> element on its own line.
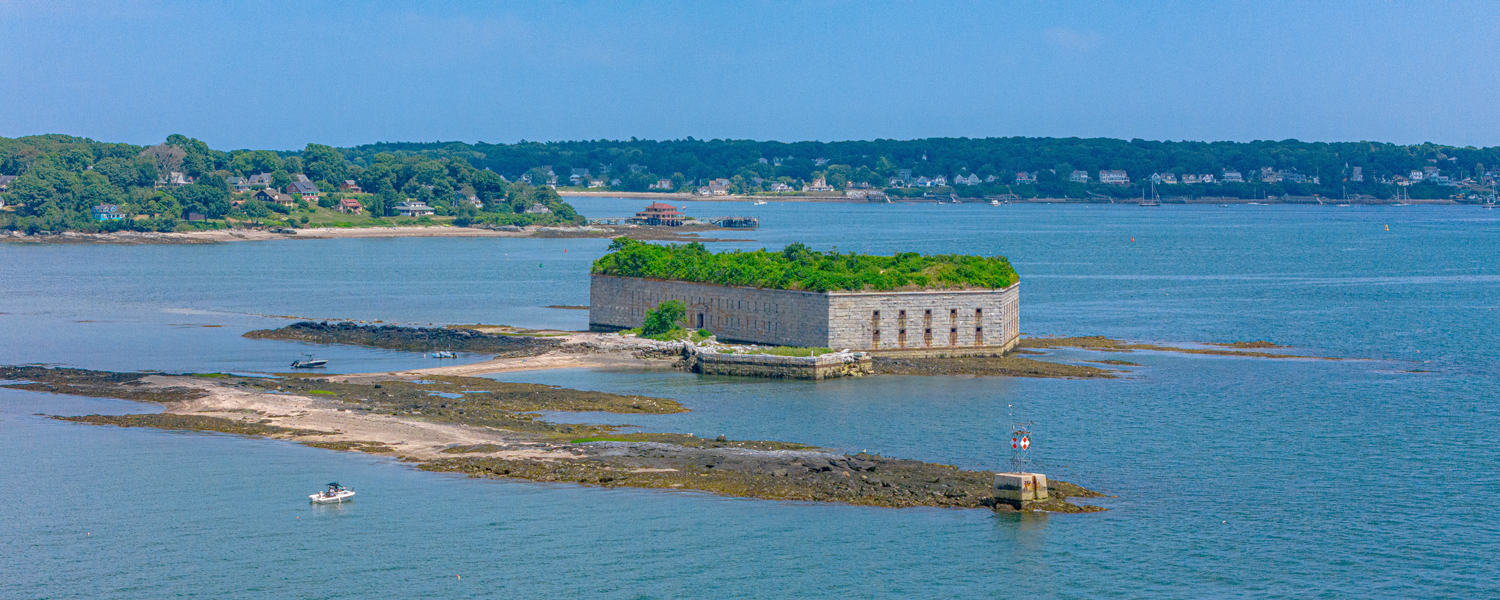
<point>1025,443</point>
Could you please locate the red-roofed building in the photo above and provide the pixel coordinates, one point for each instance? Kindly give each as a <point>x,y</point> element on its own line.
<point>659,214</point>
<point>350,206</point>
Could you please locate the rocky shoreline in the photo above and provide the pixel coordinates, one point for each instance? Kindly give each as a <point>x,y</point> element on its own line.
<point>485,428</point>
<point>686,233</point>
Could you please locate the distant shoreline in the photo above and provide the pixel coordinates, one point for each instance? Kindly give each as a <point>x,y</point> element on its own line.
<point>257,235</point>
<point>1295,200</point>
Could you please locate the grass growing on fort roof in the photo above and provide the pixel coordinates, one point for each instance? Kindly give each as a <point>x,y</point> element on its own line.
<point>798,267</point>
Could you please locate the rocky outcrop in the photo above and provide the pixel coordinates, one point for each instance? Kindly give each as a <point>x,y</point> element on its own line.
<point>420,339</point>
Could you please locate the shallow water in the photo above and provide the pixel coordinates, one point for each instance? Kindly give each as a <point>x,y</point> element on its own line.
<point>1230,477</point>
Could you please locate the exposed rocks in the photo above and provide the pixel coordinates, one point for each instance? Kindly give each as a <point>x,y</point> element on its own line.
<point>421,339</point>
<point>1004,366</point>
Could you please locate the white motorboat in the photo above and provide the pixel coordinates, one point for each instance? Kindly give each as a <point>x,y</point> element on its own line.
<point>760,202</point>
<point>334,494</point>
<point>444,354</point>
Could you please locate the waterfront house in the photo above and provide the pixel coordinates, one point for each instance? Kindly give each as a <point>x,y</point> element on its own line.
<point>1206,178</point>
<point>1079,177</point>
<point>578,176</point>
<point>275,197</point>
<point>5,181</point>
<point>260,180</point>
<point>1113,177</point>
<point>819,185</point>
<point>1233,177</point>
<point>307,189</point>
<point>538,209</point>
<point>1024,178</point>
<point>659,214</point>
<point>350,186</point>
<point>939,181</point>
<point>1357,174</point>
<point>350,206</point>
<point>989,179</point>
<point>904,175</point>
<point>108,212</point>
<point>460,198</point>
<point>413,208</point>
<point>780,187</point>
<point>1187,178</point>
<point>661,184</point>
<point>238,183</point>
<point>922,182</point>
<point>718,187</point>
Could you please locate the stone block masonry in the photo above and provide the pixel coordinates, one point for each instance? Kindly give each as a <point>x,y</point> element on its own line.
<point>928,323</point>
<point>784,367</point>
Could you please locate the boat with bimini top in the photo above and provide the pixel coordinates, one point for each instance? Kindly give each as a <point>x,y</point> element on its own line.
<point>334,493</point>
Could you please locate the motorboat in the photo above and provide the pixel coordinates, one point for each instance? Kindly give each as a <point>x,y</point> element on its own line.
<point>994,203</point>
<point>310,363</point>
<point>759,202</point>
<point>334,494</point>
<point>444,354</point>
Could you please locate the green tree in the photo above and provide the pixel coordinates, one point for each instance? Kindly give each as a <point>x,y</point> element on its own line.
<point>323,163</point>
<point>280,180</point>
<point>664,318</point>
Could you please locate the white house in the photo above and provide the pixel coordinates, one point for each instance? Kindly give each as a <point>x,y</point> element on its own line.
<point>413,208</point>
<point>1113,178</point>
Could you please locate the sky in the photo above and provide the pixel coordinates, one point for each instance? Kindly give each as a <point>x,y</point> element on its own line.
<point>282,74</point>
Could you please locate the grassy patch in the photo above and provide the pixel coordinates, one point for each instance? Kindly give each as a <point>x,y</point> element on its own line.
<point>357,446</point>
<point>323,393</point>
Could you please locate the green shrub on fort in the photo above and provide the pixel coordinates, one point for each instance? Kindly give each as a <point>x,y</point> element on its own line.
<point>798,267</point>
<point>665,318</point>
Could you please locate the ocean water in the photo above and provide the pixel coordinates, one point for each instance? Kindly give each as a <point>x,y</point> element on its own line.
<point>1230,477</point>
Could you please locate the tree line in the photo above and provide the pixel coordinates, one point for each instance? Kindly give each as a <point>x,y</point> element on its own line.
<point>61,178</point>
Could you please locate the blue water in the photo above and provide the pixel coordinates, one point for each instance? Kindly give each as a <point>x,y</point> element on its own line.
<point>1231,477</point>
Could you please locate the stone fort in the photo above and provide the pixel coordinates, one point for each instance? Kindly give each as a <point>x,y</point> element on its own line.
<point>932,323</point>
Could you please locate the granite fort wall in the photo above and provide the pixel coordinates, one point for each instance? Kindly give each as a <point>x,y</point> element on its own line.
<point>761,316</point>
<point>930,323</point>
<point>784,367</point>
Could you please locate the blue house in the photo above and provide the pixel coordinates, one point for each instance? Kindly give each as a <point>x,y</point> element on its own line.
<point>108,212</point>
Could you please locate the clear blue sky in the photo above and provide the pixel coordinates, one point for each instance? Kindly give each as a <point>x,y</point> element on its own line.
<point>281,74</point>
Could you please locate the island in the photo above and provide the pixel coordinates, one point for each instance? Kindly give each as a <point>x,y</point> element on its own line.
<point>486,428</point>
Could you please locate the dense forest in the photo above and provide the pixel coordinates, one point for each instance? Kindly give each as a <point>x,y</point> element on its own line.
<point>60,178</point>
<point>798,267</point>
